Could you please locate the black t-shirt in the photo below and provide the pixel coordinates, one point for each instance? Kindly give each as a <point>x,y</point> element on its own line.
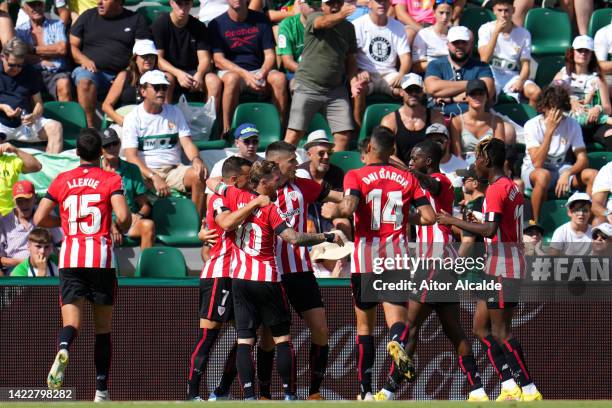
<point>108,41</point>
<point>180,44</point>
<point>17,92</point>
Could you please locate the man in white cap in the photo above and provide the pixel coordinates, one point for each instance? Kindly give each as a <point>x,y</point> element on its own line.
<point>153,135</point>
<point>409,122</point>
<point>449,163</point>
<point>602,240</point>
<point>507,48</point>
<point>447,78</point>
<point>574,237</point>
<point>602,195</point>
<point>381,42</point>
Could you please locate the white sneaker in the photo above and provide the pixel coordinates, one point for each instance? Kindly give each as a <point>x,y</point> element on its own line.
<point>101,396</point>
<point>367,397</point>
<point>55,378</point>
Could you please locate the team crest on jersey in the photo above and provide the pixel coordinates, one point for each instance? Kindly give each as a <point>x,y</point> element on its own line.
<point>220,310</point>
<point>293,195</point>
<point>380,49</point>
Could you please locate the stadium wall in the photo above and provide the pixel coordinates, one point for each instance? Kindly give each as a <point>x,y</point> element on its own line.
<point>155,324</point>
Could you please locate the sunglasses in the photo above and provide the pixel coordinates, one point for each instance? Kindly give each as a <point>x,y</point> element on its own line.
<point>159,87</point>
<point>445,1</point>
<point>12,65</point>
<point>600,237</point>
<point>251,141</point>
<point>322,153</point>
<point>582,50</point>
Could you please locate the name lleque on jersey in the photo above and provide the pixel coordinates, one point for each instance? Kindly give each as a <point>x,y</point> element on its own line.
<point>83,182</point>
<point>384,174</point>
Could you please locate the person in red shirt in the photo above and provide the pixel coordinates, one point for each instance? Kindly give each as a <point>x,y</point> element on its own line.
<point>505,265</point>
<point>379,196</point>
<point>87,197</point>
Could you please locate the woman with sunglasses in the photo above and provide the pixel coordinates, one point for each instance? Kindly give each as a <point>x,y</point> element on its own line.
<point>431,42</point>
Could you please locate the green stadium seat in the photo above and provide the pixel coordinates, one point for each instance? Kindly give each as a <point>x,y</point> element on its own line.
<point>264,116</point>
<point>177,222</point>
<point>599,159</point>
<point>473,18</point>
<point>161,262</point>
<point>551,31</point>
<point>373,115</point>
<point>595,147</point>
<point>548,68</point>
<point>552,216</point>
<point>599,19</point>
<point>347,160</point>
<point>520,113</point>
<point>318,122</point>
<point>72,117</point>
<point>381,98</point>
<point>150,13</point>
<point>214,142</point>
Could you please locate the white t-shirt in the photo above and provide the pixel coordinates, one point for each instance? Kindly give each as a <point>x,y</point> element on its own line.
<point>379,46</point>
<point>450,168</point>
<point>603,43</point>
<point>580,85</point>
<point>603,183</point>
<point>570,242</point>
<point>211,9</point>
<point>218,166</point>
<point>567,134</point>
<point>156,136</point>
<point>510,49</point>
<point>428,45</point>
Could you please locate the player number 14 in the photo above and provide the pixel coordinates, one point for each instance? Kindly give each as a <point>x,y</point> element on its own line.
<point>391,213</point>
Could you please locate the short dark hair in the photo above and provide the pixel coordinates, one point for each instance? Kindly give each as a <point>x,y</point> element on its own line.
<point>279,147</point>
<point>261,170</point>
<point>383,140</point>
<point>494,150</point>
<point>431,149</point>
<point>363,145</point>
<point>554,97</point>
<point>233,166</point>
<point>496,2</point>
<point>89,144</point>
<point>40,236</point>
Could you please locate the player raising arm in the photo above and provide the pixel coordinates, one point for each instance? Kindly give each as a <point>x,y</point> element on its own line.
<point>87,197</point>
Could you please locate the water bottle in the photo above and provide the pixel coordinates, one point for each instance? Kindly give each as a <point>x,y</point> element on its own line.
<point>27,131</point>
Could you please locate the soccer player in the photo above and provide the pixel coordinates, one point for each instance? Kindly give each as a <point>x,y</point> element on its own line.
<point>295,267</point>
<point>87,197</point>
<point>502,230</point>
<point>258,295</point>
<point>379,196</point>
<point>432,242</point>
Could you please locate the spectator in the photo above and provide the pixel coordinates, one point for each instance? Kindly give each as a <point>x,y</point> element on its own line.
<point>153,135</point>
<point>243,51</point>
<point>508,49</point>
<point>419,14</point>
<point>21,105</point>
<point>469,128</point>
<point>409,123</point>
<point>211,9</point>
<point>49,48</point>
<point>41,260</point>
<point>602,195</point>
<point>332,260</point>
<point>574,237</point>
<point>603,48</point>
<point>17,225</point>
<point>446,78</point>
<point>579,11</point>
<point>123,93</point>
<point>532,236</point>
<point>10,169</point>
<point>361,9</point>
<point>134,191</point>
<point>184,53</point>
<point>7,30</point>
<point>328,63</point>
<point>449,163</point>
<point>548,137</point>
<point>473,193</point>
<point>431,42</point>
<point>602,240</point>
<point>381,42</point>
<point>101,42</point>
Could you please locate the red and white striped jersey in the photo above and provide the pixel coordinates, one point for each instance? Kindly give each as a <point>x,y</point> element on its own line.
<point>503,203</point>
<point>255,240</point>
<point>433,237</point>
<point>385,194</point>
<point>293,200</point>
<point>84,199</point>
<point>218,265</point>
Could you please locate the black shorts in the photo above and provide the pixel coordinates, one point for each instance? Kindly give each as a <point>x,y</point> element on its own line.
<point>434,287</point>
<point>303,291</point>
<point>97,285</point>
<point>216,303</point>
<point>257,303</point>
<point>505,298</point>
<point>356,290</point>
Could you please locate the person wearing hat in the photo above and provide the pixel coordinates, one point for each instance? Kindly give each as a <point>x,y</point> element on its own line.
<point>449,163</point>
<point>532,237</point>
<point>586,83</point>
<point>331,260</point>
<point>134,190</point>
<point>13,162</point>
<point>123,93</point>
<point>101,42</point>
<point>602,240</point>
<point>155,134</point>
<point>574,237</point>
<point>381,42</point>
<point>602,195</point>
<point>507,48</point>
<point>473,190</point>
<point>48,47</point>
<point>446,78</point>
<point>411,120</point>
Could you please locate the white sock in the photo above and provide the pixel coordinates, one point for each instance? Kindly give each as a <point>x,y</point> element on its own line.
<point>480,392</point>
<point>530,389</point>
<point>509,384</point>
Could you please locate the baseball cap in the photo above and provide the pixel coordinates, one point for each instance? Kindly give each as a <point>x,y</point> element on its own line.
<point>583,42</point>
<point>532,224</point>
<point>578,197</point>
<point>475,85</point>
<point>332,251</point>
<point>245,131</point>
<point>470,172</point>
<point>109,136</point>
<point>31,1</point>
<point>411,79</point>
<point>458,33</point>
<point>318,137</point>
<point>154,77</point>
<point>605,228</point>
<point>144,47</point>
<point>436,129</point>
<point>23,189</point>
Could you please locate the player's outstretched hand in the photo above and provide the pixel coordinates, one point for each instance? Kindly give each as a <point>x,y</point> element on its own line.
<point>262,201</point>
<point>337,239</point>
<point>444,218</point>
